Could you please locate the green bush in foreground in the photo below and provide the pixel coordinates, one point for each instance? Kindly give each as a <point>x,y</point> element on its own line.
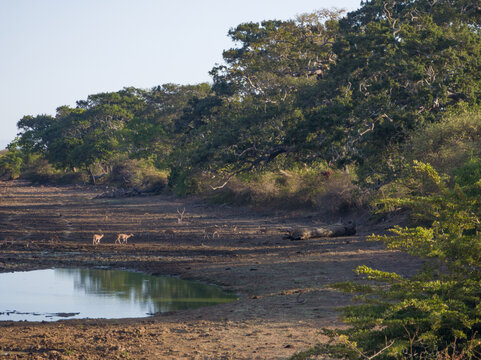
<point>437,313</point>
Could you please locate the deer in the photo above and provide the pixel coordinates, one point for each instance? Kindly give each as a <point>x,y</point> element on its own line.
<point>122,238</point>
<point>211,231</point>
<point>181,216</point>
<point>96,239</point>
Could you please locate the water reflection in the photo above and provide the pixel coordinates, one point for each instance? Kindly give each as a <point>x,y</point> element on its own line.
<point>95,293</point>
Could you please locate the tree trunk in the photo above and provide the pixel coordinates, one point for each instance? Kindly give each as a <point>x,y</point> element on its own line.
<point>334,230</point>
<point>92,176</point>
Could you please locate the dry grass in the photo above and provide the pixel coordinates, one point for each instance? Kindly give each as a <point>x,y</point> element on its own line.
<point>448,144</point>
<point>139,174</point>
<point>322,188</point>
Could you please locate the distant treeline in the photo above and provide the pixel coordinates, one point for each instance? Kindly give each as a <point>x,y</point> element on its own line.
<point>321,87</point>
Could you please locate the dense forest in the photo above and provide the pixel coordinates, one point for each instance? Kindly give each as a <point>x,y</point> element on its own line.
<point>384,100</point>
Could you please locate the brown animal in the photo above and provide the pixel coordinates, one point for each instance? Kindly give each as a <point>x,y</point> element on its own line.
<point>211,231</point>
<point>180,217</point>
<point>122,238</point>
<point>96,239</point>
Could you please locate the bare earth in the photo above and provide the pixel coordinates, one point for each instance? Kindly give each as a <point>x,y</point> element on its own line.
<point>282,285</point>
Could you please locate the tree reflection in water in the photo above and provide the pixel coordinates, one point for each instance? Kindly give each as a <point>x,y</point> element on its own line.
<point>157,293</point>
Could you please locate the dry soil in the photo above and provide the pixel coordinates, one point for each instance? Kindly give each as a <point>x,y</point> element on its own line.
<point>284,297</point>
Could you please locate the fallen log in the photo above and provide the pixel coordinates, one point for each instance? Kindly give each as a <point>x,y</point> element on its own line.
<point>334,230</point>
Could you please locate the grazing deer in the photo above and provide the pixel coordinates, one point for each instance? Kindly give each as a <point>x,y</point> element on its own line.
<point>96,239</point>
<point>211,231</point>
<point>122,238</point>
<point>181,216</point>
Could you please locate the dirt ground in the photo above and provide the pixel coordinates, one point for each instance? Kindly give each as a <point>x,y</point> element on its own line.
<point>282,285</point>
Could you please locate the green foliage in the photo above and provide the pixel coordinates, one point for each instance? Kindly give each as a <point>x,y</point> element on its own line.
<point>317,88</point>
<point>11,162</point>
<point>469,177</point>
<point>436,313</point>
<point>138,174</point>
<point>183,182</point>
<point>253,115</point>
<point>39,171</point>
<point>153,132</point>
<point>447,144</point>
<point>275,57</point>
<point>131,122</point>
<point>341,90</point>
<point>285,184</point>
<point>399,65</point>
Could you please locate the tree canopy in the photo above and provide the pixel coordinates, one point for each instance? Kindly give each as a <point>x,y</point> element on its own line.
<point>318,87</point>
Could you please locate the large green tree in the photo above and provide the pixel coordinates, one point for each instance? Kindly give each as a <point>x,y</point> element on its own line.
<point>154,129</point>
<point>399,64</point>
<point>248,120</point>
<point>83,136</point>
<point>134,122</point>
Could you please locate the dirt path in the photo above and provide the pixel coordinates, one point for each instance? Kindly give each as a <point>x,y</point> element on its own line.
<point>283,299</point>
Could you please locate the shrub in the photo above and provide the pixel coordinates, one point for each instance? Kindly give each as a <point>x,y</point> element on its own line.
<point>138,174</point>
<point>447,144</point>
<point>435,314</point>
<point>11,162</point>
<point>38,170</point>
<point>468,176</point>
<point>316,187</point>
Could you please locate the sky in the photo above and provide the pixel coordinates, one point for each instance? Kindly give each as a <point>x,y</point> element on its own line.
<point>55,52</point>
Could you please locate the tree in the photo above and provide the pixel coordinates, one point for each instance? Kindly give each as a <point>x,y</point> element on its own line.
<point>83,136</point>
<point>34,132</point>
<point>399,64</point>
<point>248,120</point>
<point>275,57</point>
<point>154,129</point>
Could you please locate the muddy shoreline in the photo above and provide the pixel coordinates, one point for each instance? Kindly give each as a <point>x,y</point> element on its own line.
<point>282,285</point>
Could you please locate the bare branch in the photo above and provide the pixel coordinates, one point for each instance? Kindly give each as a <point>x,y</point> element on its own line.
<point>260,161</point>
<point>252,148</point>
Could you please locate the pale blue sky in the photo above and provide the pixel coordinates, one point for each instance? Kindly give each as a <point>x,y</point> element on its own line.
<point>55,52</point>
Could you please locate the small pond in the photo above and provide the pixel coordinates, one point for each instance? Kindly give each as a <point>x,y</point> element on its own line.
<point>56,294</point>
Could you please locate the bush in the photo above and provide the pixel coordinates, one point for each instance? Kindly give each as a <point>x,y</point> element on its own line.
<point>445,145</point>
<point>468,177</point>
<point>435,314</point>
<point>299,187</point>
<point>39,171</point>
<point>11,162</point>
<point>138,174</point>
<point>448,144</point>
